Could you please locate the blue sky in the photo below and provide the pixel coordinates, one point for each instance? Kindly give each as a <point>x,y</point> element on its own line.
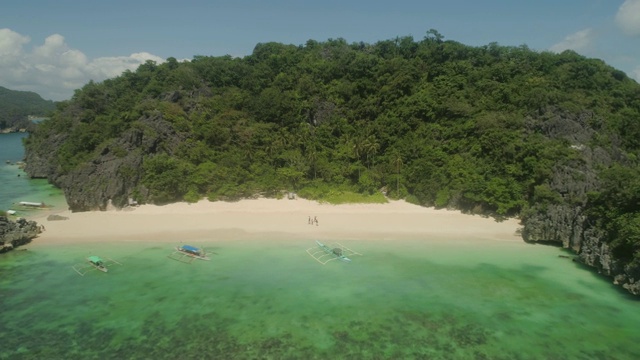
<point>54,47</point>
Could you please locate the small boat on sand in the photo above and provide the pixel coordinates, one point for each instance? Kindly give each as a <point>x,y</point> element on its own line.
<point>32,204</point>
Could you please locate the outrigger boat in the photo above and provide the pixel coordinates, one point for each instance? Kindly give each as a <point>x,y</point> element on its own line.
<point>323,253</point>
<point>188,253</point>
<point>94,263</point>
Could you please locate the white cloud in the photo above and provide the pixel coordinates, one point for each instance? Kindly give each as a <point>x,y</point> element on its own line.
<point>109,67</point>
<point>53,45</point>
<point>579,42</point>
<point>11,43</point>
<point>628,17</point>
<point>53,69</point>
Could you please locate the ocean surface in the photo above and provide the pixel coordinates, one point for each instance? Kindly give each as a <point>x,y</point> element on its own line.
<point>428,299</point>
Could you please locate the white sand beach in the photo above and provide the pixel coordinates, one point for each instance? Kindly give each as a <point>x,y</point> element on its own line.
<point>272,219</point>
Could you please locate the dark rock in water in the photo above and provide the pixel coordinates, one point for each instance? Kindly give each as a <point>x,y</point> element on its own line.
<point>16,233</point>
<point>54,217</point>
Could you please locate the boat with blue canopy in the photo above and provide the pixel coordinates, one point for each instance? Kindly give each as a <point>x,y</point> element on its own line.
<point>188,253</point>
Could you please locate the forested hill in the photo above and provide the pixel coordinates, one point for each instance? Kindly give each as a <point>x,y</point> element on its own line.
<point>502,131</point>
<point>16,106</point>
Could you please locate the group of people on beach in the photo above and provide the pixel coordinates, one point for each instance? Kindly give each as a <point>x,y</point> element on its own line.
<point>313,221</point>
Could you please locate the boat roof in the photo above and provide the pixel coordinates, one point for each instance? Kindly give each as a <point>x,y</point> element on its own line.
<point>190,248</point>
<point>94,259</point>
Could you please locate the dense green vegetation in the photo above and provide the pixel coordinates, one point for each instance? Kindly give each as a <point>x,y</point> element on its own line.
<point>15,106</point>
<point>432,121</point>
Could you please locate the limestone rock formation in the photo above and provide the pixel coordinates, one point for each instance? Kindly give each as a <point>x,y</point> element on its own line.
<point>14,234</point>
<point>565,223</point>
<point>114,176</point>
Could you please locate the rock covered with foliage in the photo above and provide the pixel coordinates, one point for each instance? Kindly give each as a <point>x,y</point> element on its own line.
<point>16,233</point>
<point>502,131</point>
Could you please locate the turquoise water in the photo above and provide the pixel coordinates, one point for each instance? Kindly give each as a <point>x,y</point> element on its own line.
<point>271,300</point>
<point>15,186</point>
<point>254,300</point>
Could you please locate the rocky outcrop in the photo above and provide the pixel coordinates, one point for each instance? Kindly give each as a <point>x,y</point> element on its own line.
<point>14,234</point>
<point>113,176</point>
<point>596,253</point>
<point>41,162</point>
<point>564,222</point>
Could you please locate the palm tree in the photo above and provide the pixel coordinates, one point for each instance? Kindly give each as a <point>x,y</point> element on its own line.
<point>357,146</point>
<point>371,147</point>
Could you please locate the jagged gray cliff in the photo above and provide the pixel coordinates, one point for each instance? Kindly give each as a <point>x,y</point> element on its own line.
<point>114,176</point>
<point>565,222</point>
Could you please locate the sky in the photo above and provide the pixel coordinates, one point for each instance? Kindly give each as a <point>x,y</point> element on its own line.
<point>54,47</point>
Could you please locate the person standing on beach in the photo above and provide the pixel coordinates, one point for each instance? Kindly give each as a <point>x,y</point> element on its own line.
<point>315,218</point>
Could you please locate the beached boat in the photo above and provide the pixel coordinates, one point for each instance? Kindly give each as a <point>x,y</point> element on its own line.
<point>336,251</point>
<point>94,263</point>
<point>32,204</point>
<point>188,253</point>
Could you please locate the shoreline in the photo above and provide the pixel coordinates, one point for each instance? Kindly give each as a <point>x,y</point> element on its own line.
<point>269,220</point>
